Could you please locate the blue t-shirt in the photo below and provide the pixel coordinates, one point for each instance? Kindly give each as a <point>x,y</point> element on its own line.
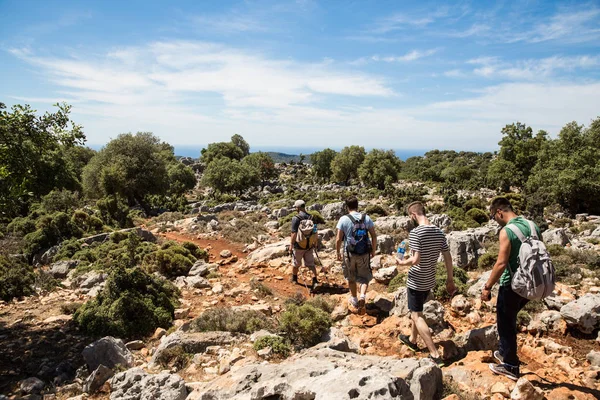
<point>346,225</point>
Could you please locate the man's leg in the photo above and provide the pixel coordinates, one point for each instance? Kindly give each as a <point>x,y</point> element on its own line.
<point>309,262</point>
<point>363,276</point>
<point>296,263</point>
<point>509,305</point>
<point>421,326</point>
<point>350,275</point>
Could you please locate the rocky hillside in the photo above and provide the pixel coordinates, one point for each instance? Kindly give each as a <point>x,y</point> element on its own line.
<point>242,331</point>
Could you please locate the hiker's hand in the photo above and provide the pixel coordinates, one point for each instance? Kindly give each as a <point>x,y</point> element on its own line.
<point>486,295</point>
<point>339,257</point>
<point>450,287</point>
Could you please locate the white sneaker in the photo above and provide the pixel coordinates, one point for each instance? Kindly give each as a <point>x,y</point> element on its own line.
<point>353,301</point>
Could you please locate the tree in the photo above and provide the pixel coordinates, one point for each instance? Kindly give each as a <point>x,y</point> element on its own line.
<point>345,165</point>
<point>236,149</point>
<point>32,162</point>
<point>379,168</point>
<point>226,175</point>
<point>133,167</point>
<point>567,170</point>
<point>321,162</point>
<point>503,174</point>
<point>261,165</point>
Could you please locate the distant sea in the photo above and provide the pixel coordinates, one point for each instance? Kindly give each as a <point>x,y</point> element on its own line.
<point>194,151</point>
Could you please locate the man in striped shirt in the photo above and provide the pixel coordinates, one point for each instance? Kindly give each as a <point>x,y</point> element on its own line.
<point>426,241</point>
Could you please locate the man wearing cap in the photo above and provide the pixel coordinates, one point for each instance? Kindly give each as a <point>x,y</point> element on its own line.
<point>299,254</point>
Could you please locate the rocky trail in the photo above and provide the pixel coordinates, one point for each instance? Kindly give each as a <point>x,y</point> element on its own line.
<point>40,341</point>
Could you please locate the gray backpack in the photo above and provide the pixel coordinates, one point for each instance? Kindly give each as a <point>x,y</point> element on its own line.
<point>534,279</point>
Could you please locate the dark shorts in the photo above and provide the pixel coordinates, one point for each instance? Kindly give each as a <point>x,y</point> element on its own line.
<point>416,299</point>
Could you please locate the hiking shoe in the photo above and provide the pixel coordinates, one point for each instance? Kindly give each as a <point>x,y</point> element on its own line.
<point>353,302</point>
<point>498,357</point>
<point>361,306</point>
<point>406,340</point>
<point>438,361</point>
<point>507,370</point>
<point>294,279</point>
<point>314,285</point>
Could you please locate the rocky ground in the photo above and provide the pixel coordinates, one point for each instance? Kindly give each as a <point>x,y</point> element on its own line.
<point>43,353</point>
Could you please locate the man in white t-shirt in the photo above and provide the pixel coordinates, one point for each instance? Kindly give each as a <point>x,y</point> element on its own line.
<point>426,242</point>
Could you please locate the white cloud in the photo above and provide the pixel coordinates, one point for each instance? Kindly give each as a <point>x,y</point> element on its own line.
<point>230,23</point>
<point>532,69</point>
<point>408,57</point>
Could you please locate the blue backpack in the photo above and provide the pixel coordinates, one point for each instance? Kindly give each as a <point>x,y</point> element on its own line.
<point>359,242</point>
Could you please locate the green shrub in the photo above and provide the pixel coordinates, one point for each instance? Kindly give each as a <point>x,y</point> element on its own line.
<point>590,258</point>
<point>477,215</point>
<point>535,306</point>
<point>16,279</point>
<point>322,303</point>
<point>593,241</point>
<point>555,250</point>
<point>396,282</point>
<point>475,202</point>
<point>523,318</point>
<point>276,343</point>
<point>171,260</point>
<point>304,325</point>
<point>114,211</point>
<point>487,260</point>
<point>70,308</point>
<point>317,217</point>
<point>195,251</point>
<point>460,280</point>
<point>132,304</point>
<point>174,357</point>
<point>562,222</point>
<point>376,209</point>
<point>44,282</point>
<point>260,288</point>
<point>60,200</point>
<point>228,320</point>
<point>244,231</point>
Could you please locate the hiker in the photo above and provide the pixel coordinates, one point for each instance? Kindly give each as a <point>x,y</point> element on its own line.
<point>426,242</point>
<point>357,232</point>
<point>508,303</point>
<point>302,243</point>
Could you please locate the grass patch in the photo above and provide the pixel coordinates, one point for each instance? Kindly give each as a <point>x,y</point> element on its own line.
<point>277,344</point>
<point>260,288</point>
<point>70,308</point>
<point>227,320</point>
<point>175,357</point>
<point>242,230</point>
<point>396,282</point>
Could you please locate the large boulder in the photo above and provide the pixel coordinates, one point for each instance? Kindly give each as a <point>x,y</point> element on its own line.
<point>442,221</point>
<point>477,287</point>
<point>269,252</point>
<point>109,352</point>
<point>335,339</point>
<point>385,244</point>
<point>190,342</point>
<point>324,374</point>
<point>433,313</point>
<point>135,384</point>
<point>556,236</point>
<point>393,223</point>
<point>583,313</point>
<point>97,379</point>
<point>474,340</point>
<point>464,248</point>
<point>60,269</point>
<point>385,275</point>
<point>334,210</point>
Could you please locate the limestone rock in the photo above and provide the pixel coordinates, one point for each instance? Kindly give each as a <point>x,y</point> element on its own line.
<point>460,304</point>
<point>197,282</point>
<point>594,358</point>
<point>555,236</point>
<point>334,211</point>
<point>107,351</point>
<point>433,313</point>
<point>135,345</point>
<point>269,252</point>
<point>60,269</point>
<point>583,313</point>
<point>191,342</point>
<point>393,223</point>
<point>335,339</point>
<point>225,253</point>
<point>31,385</point>
<point>477,287</point>
<point>135,384</point>
<point>326,234</point>
<point>385,275</point>
<point>325,374</point>
<point>385,244</point>
<point>464,248</point>
<point>524,390</point>
<point>97,379</point>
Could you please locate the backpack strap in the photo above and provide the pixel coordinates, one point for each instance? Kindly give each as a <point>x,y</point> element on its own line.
<point>515,229</point>
<point>362,218</point>
<point>352,219</point>
<point>533,230</point>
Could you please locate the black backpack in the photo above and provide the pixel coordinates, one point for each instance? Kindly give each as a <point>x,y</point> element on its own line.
<point>358,242</point>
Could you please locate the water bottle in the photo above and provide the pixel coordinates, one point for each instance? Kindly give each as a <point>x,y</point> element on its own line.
<point>315,228</point>
<point>401,250</point>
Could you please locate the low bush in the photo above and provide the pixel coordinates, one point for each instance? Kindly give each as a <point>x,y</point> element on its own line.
<point>460,280</point>
<point>174,357</point>
<point>304,325</point>
<point>555,250</point>
<point>322,303</point>
<point>523,318</point>
<point>228,320</point>
<point>376,209</point>
<point>396,282</point>
<point>131,305</point>
<point>277,344</point>
<point>16,279</point>
<point>171,260</point>
<point>487,260</point>
<point>589,258</point>
<point>44,282</point>
<point>477,215</point>
<point>475,203</point>
<point>242,230</point>
<point>260,288</point>
<point>70,308</point>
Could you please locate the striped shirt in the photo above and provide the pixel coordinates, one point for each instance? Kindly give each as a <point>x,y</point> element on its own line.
<point>429,241</point>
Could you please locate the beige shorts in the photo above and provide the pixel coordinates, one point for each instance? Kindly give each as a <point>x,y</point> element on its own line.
<point>307,255</point>
<point>357,268</point>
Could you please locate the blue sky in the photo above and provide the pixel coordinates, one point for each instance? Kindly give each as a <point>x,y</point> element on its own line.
<point>385,74</point>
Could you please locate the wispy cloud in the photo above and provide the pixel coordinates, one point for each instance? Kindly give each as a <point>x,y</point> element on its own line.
<point>230,23</point>
<point>410,56</point>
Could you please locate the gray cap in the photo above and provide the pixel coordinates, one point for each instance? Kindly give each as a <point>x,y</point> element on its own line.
<point>299,203</point>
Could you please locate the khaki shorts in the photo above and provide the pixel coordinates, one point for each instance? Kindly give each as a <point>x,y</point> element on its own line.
<point>306,255</point>
<point>357,268</point>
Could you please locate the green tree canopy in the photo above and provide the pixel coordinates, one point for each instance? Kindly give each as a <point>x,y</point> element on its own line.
<point>133,167</point>
<point>321,162</point>
<point>236,149</point>
<point>226,175</point>
<point>380,168</point>
<point>260,165</point>
<point>345,165</point>
<point>32,159</point>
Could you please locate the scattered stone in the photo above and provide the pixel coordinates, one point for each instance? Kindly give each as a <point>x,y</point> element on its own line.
<point>556,236</point>
<point>135,345</point>
<point>191,342</point>
<point>269,252</point>
<point>225,253</point>
<point>477,287</point>
<point>460,304</point>
<point>197,282</point>
<point>464,248</point>
<point>385,275</point>
<point>97,379</point>
<point>500,388</point>
<point>60,269</point>
<point>583,313</point>
<point>31,385</point>
<point>433,313</point>
<point>384,302</point>
<point>135,384</point>
<point>260,334</point>
<point>335,339</point>
<point>524,390</point>
<point>159,332</point>
<point>181,313</point>
<point>107,351</point>
<point>594,358</point>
